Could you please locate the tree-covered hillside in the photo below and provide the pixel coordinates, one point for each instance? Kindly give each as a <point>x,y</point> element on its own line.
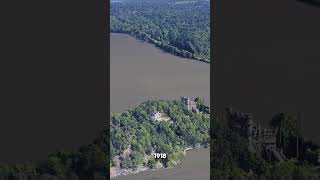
<point>178,27</point>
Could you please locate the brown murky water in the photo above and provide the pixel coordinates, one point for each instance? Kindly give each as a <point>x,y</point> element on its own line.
<point>139,72</point>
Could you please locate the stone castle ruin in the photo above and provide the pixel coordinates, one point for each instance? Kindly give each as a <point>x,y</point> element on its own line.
<point>192,106</point>
<point>261,141</point>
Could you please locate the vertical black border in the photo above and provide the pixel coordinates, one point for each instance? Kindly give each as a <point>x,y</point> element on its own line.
<point>95,12</point>
<point>107,77</point>
<point>212,57</point>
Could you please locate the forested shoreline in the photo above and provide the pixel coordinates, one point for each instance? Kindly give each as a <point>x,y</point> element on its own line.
<point>182,29</point>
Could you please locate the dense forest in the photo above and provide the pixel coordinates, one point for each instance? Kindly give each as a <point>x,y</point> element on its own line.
<point>136,133</point>
<point>230,158</point>
<point>178,27</point>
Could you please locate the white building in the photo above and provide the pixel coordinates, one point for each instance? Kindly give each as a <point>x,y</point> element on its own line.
<point>156,115</point>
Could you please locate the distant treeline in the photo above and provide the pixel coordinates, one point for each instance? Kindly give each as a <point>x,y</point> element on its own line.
<point>182,29</point>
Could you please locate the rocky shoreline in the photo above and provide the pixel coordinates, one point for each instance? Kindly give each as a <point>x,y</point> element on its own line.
<point>116,171</point>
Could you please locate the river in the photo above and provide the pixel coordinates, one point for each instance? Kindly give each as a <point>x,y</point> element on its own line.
<point>139,72</point>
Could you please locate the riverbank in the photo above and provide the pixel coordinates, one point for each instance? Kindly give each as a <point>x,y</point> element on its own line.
<point>116,172</point>
<point>165,47</point>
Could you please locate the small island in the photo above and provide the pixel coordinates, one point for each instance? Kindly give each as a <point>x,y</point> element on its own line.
<point>161,127</point>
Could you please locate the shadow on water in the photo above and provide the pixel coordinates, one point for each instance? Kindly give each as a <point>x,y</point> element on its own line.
<point>315,3</point>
